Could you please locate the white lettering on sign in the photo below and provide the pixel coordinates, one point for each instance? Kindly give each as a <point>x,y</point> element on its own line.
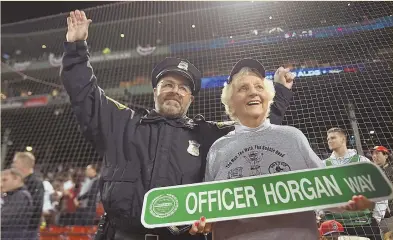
<point>270,192</point>
<point>227,207</point>
<point>212,200</point>
<point>360,183</point>
<point>239,197</point>
<point>291,190</point>
<point>294,188</point>
<point>282,195</point>
<point>320,188</point>
<point>188,199</point>
<point>308,73</point>
<point>201,199</point>
<point>310,193</point>
<point>250,195</point>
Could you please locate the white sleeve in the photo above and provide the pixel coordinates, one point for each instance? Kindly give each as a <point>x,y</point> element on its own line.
<point>311,158</point>
<point>380,210</point>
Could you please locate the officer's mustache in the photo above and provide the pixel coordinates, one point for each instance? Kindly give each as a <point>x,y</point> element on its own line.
<point>173,96</point>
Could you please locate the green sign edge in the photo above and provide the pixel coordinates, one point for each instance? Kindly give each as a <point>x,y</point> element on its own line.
<point>304,209</point>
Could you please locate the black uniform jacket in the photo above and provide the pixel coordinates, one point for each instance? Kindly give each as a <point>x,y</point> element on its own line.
<point>141,150</point>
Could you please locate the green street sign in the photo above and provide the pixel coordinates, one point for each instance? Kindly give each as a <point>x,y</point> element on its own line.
<point>273,194</point>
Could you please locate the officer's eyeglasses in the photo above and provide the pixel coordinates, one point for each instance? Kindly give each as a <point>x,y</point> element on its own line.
<point>182,90</point>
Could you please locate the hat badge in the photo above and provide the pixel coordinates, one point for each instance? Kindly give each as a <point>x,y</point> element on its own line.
<point>183,65</point>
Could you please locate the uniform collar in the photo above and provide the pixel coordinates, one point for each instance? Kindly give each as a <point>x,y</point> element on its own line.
<point>154,117</point>
<point>239,128</point>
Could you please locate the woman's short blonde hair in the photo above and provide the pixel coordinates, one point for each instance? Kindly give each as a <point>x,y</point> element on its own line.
<point>227,91</point>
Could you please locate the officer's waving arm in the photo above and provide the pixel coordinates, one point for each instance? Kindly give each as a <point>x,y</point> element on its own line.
<point>94,111</point>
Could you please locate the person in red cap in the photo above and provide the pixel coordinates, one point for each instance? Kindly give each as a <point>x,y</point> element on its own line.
<point>331,230</point>
<point>381,156</point>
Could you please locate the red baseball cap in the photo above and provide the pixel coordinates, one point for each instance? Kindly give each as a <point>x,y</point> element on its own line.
<point>329,227</point>
<point>381,149</point>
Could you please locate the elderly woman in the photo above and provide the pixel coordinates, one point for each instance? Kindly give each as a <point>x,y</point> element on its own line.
<point>261,148</point>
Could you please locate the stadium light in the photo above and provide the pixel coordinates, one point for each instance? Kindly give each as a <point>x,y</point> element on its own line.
<point>270,17</point>
<point>193,26</point>
<point>122,35</point>
<point>29,148</point>
<point>43,46</point>
<point>372,132</point>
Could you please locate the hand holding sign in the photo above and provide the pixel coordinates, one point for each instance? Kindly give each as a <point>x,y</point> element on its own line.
<point>201,226</point>
<point>358,203</point>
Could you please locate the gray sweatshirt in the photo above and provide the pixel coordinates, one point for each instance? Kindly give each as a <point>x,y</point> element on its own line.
<point>267,149</point>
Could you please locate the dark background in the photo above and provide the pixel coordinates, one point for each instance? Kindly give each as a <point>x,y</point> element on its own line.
<point>20,10</point>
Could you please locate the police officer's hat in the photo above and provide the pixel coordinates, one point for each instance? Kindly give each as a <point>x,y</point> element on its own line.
<point>250,63</point>
<point>179,66</point>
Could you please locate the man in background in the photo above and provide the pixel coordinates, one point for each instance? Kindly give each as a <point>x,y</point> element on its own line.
<point>87,198</point>
<point>382,157</point>
<point>362,223</point>
<point>24,162</point>
<point>17,207</point>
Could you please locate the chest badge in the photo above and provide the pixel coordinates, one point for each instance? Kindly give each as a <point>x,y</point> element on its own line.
<point>193,148</point>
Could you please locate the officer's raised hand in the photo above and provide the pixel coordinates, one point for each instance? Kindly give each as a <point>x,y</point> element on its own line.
<point>78,26</point>
<point>284,77</point>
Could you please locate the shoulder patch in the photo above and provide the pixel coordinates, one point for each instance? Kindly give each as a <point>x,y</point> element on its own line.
<point>225,124</point>
<point>118,105</point>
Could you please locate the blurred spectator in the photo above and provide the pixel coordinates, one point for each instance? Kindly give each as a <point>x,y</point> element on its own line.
<point>331,229</point>
<point>24,162</point>
<point>17,209</point>
<point>381,156</point>
<point>56,198</point>
<point>87,198</point>
<point>68,200</point>
<point>48,207</point>
<point>361,223</point>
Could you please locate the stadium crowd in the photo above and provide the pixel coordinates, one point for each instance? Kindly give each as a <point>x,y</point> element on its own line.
<point>33,200</point>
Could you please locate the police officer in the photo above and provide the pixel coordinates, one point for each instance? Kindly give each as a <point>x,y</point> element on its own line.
<point>142,150</point>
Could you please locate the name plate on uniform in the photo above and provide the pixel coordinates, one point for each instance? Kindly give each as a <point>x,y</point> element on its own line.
<point>266,195</point>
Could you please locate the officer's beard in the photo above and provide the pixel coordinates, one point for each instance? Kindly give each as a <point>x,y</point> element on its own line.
<point>171,107</point>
